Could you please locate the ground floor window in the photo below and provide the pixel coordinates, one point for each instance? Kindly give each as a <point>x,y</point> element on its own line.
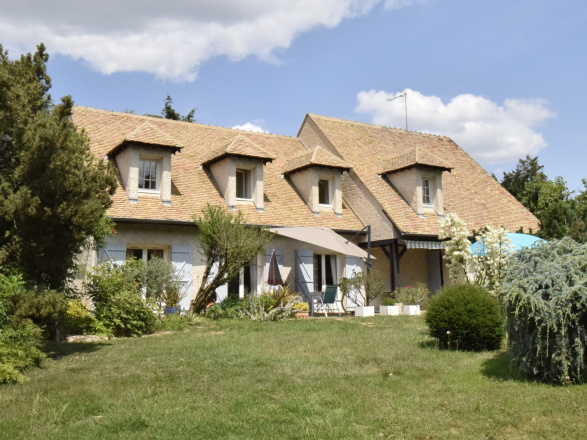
<point>244,278</point>
<point>145,254</point>
<point>324,271</point>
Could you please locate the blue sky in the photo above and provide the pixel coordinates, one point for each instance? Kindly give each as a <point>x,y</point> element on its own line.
<point>502,78</point>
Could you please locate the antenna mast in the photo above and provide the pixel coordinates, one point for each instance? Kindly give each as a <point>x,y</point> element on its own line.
<point>404,96</point>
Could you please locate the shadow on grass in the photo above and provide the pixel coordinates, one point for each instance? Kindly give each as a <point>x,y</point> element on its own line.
<point>59,350</point>
<point>499,367</point>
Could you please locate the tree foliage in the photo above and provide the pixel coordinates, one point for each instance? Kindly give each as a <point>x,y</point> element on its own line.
<point>53,192</point>
<point>228,244</point>
<point>169,112</point>
<point>560,214</point>
<point>544,294</point>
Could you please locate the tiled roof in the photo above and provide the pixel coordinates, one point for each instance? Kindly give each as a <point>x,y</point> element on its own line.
<point>148,134</point>
<point>468,190</point>
<point>192,187</point>
<point>239,146</point>
<point>317,156</point>
<point>417,156</point>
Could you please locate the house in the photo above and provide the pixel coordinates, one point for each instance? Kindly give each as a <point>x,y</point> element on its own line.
<point>335,175</point>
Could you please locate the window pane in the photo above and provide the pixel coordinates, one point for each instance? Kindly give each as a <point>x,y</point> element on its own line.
<point>323,192</point>
<point>426,191</point>
<point>240,184</point>
<point>330,266</point>
<point>134,253</point>
<point>317,272</point>
<point>243,184</point>
<point>154,253</point>
<point>233,286</point>
<point>147,174</point>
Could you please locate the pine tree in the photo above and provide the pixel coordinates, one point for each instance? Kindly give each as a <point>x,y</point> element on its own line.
<point>53,192</point>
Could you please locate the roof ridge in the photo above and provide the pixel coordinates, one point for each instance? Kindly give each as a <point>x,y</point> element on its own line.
<point>383,127</point>
<point>171,121</point>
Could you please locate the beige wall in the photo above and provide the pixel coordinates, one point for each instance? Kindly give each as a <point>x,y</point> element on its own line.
<point>409,184</point>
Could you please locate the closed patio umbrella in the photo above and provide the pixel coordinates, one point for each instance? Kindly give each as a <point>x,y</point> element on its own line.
<point>274,277</point>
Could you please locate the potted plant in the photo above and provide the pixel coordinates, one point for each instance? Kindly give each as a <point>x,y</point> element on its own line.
<point>301,310</point>
<point>371,284</point>
<point>171,298</point>
<point>413,298</point>
<point>389,308</point>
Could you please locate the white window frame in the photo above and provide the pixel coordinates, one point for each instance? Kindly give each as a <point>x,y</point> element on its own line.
<point>147,248</point>
<point>428,191</point>
<point>330,190</point>
<point>158,174</point>
<point>248,178</point>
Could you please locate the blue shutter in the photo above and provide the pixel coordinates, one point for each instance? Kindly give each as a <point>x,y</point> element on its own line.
<point>304,272</point>
<point>181,258</point>
<point>113,252</point>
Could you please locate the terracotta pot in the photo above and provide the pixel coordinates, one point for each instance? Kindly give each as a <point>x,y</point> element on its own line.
<point>302,314</point>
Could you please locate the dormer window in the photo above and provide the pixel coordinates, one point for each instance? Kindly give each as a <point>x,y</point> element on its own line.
<point>316,175</point>
<point>324,192</point>
<point>144,161</point>
<point>148,175</point>
<point>426,191</point>
<point>244,184</point>
<point>237,169</point>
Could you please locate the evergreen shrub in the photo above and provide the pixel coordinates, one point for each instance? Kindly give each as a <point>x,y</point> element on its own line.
<point>544,295</point>
<point>465,317</point>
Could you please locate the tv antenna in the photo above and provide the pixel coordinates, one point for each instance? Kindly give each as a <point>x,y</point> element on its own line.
<point>404,96</point>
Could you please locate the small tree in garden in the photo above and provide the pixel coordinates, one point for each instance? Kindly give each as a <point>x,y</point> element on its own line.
<point>544,293</point>
<point>228,244</point>
<point>371,283</point>
<point>492,255</point>
<point>457,248</point>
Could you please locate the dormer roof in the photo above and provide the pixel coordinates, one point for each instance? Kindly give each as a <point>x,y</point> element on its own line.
<point>147,134</point>
<point>240,146</point>
<point>415,157</point>
<point>316,157</point>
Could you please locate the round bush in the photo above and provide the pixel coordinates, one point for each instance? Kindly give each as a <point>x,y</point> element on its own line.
<point>465,317</point>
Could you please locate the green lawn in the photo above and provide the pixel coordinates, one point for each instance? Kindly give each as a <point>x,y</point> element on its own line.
<point>320,378</point>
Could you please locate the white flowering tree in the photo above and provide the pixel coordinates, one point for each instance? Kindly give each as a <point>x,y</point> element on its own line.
<point>494,250</point>
<point>457,249</point>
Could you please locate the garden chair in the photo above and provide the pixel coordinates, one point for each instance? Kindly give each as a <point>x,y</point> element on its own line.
<point>328,300</point>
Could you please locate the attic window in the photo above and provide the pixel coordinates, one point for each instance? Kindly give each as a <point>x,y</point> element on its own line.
<point>426,191</point>
<point>244,184</point>
<point>324,192</point>
<point>148,174</point>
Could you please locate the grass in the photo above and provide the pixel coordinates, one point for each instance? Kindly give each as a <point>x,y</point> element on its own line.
<point>319,378</point>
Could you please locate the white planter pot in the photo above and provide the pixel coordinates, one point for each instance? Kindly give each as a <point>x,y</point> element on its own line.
<point>365,311</point>
<point>389,310</point>
<point>411,310</point>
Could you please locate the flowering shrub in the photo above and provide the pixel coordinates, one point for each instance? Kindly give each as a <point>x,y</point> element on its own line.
<point>457,248</point>
<point>492,255</point>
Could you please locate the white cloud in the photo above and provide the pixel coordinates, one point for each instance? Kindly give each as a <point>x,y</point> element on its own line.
<point>168,39</point>
<point>250,127</point>
<point>489,132</point>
